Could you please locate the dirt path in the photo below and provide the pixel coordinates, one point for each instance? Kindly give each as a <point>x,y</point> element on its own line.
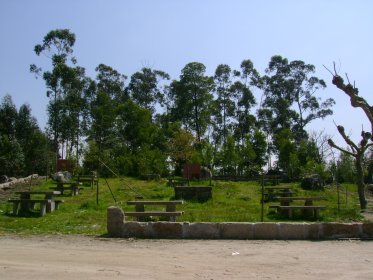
<point>78,257</point>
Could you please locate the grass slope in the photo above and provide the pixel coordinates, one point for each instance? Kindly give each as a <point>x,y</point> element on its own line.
<point>232,202</point>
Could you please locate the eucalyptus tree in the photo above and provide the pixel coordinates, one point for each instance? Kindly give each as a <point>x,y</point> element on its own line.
<point>25,129</point>
<point>225,103</point>
<point>289,96</point>
<point>8,117</point>
<point>66,85</point>
<point>191,99</point>
<point>146,89</point>
<point>107,93</point>
<point>23,147</point>
<point>289,101</point>
<point>11,154</point>
<point>245,121</point>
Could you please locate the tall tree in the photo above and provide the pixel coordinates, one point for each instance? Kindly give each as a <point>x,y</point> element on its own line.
<point>225,103</point>
<point>145,88</point>
<point>191,98</point>
<point>66,85</point>
<point>107,93</point>
<point>289,95</point>
<point>8,117</point>
<point>246,121</point>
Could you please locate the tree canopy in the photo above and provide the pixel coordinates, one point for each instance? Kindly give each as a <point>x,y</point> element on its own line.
<point>137,124</point>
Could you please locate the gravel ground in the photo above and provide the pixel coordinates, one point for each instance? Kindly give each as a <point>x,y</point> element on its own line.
<point>84,257</point>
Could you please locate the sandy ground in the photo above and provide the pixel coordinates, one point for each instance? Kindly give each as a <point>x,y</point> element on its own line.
<point>80,257</point>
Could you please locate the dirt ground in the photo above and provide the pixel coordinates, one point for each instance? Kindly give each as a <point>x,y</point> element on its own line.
<point>81,257</point>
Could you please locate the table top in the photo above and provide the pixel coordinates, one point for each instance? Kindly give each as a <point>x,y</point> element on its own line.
<point>39,192</point>
<point>154,202</point>
<point>278,188</point>
<point>290,198</point>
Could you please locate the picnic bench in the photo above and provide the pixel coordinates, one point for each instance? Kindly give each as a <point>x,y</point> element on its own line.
<point>314,208</point>
<point>307,208</point>
<point>25,204</point>
<point>141,214</point>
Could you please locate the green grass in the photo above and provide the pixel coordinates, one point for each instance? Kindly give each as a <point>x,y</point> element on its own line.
<point>232,202</point>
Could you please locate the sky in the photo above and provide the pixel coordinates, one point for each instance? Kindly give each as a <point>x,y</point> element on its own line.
<point>166,35</point>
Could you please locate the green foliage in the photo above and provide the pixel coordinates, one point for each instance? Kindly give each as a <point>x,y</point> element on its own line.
<point>125,128</point>
<point>289,101</point>
<point>145,90</point>
<point>346,171</point>
<point>191,98</point>
<point>11,156</point>
<point>23,147</point>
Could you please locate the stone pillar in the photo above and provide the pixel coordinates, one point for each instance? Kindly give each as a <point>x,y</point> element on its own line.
<point>115,221</point>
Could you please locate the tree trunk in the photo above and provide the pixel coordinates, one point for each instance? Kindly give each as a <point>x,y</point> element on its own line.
<point>360,182</point>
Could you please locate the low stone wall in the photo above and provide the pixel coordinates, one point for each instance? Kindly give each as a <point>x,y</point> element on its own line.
<point>13,181</point>
<point>117,227</point>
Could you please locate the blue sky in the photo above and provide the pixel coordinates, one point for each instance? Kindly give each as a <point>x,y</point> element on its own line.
<point>168,34</point>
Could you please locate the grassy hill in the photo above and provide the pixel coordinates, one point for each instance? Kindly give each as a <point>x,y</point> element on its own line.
<point>231,202</point>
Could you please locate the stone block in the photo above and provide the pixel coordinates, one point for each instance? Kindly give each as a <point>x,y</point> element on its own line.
<point>115,220</point>
<point>136,229</point>
<point>367,230</point>
<point>339,230</point>
<point>265,231</point>
<point>313,231</point>
<point>201,230</point>
<point>296,231</point>
<point>166,230</point>
<point>237,230</point>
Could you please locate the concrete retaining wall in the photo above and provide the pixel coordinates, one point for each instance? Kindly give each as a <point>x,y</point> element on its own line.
<point>118,227</point>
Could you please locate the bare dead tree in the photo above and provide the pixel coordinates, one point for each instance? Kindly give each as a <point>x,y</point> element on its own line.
<point>357,150</point>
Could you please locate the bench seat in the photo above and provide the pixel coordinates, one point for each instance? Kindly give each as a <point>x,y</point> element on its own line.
<point>314,208</point>
<point>30,204</point>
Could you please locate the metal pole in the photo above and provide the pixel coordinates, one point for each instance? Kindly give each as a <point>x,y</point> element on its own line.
<point>262,201</point>
<point>97,193</point>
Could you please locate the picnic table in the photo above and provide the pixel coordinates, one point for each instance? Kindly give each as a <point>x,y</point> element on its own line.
<point>25,202</point>
<point>90,179</point>
<point>308,200</point>
<point>63,186</point>
<point>172,182</point>
<point>140,212</point>
<point>307,208</point>
<point>272,193</point>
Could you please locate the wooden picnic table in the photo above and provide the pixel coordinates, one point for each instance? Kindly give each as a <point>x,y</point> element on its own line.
<point>272,193</point>
<point>91,179</point>
<point>307,208</point>
<point>25,202</point>
<point>308,201</point>
<point>70,186</point>
<point>140,212</point>
<point>278,188</point>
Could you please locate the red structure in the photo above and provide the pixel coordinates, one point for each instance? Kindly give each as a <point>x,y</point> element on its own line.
<point>192,171</point>
<point>64,165</point>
